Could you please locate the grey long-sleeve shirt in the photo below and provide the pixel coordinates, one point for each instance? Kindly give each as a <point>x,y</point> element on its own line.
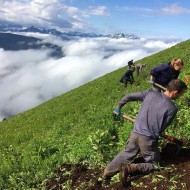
<point>156,113</point>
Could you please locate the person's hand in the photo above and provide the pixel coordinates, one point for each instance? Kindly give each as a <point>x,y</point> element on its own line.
<point>151,80</point>
<point>117,112</point>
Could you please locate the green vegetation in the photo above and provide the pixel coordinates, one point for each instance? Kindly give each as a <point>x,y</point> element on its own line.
<point>78,126</point>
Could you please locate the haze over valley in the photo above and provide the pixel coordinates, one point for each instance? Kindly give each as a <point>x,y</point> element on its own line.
<point>35,71</point>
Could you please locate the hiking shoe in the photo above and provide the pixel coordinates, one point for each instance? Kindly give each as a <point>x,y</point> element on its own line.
<point>127,171</point>
<point>125,177</point>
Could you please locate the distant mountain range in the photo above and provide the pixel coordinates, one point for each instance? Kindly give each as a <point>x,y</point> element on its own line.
<point>12,38</point>
<point>63,35</point>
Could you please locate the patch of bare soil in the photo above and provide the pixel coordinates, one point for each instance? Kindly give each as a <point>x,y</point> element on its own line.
<point>174,175</point>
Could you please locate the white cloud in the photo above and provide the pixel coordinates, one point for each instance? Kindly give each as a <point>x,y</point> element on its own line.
<point>50,13</point>
<point>37,12</point>
<point>174,9</point>
<point>98,11</point>
<point>29,12</point>
<point>28,78</point>
<point>158,45</point>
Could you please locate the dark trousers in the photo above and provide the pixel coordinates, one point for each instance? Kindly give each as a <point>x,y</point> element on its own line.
<point>136,143</point>
<point>125,80</point>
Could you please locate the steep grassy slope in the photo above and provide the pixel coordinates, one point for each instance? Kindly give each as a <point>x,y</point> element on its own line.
<point>77,126</point>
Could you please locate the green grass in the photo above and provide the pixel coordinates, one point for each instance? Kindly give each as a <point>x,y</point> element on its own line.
<point>78,126</point>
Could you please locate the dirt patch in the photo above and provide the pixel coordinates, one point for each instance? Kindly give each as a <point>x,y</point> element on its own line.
<point>174,175</point>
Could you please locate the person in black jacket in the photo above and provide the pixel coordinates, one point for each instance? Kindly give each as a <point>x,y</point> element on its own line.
<point>164,73</point>
<point>128,77</point>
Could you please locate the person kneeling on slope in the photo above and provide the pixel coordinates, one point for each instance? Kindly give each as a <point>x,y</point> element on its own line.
<point>156,113</point>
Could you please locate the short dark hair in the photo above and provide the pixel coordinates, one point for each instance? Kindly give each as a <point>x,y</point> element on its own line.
<point>177,85</point>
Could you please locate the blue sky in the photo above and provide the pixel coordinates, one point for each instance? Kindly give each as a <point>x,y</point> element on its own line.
<point>163,18</point>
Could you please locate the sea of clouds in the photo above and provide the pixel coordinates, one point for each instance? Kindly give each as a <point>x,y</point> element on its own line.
<point>31,77</point>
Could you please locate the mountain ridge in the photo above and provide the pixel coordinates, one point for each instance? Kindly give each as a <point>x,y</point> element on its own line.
<point>15,42</point>
<point>64,35</point>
